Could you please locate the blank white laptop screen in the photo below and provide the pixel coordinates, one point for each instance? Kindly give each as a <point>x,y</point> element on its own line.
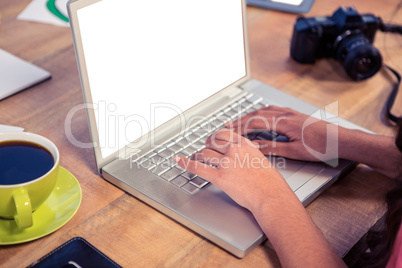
<point>144,70</point>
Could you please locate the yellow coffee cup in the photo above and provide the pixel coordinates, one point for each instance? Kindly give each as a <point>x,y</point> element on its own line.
<point>29,166</point>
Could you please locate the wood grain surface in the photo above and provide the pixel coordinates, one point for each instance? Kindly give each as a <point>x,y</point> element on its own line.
<point>134,234</point>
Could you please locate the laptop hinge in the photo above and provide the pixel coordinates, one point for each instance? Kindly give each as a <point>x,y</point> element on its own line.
<point>249,84</point>
<point>127,152</point>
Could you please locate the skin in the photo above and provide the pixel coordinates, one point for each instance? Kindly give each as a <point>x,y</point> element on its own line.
<point>376,151</point>
<point>240,168</point>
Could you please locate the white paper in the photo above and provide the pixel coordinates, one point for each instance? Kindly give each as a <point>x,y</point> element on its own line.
<point>37,11</point>
<point>17,74</point>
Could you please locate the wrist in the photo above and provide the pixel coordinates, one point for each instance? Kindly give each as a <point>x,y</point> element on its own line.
<point>277,202</point>
<point>377,151</point>
<point>351,143</point>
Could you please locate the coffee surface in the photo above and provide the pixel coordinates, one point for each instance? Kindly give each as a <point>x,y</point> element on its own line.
<point>22,162</point>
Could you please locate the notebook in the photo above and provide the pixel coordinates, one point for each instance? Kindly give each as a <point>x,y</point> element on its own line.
<point>17,74</point>
<point>158,75</point>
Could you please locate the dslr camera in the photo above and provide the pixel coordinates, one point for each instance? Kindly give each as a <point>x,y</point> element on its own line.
<point>346,36</point>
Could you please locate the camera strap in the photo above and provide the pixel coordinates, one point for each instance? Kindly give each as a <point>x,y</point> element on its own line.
<point>392,28</point>
<point>392,96</point>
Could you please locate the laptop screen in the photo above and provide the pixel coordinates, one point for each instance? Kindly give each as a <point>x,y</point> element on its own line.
<point>148,61</point>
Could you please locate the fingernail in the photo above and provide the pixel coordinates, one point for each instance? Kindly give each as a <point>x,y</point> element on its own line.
<point>256,144</point>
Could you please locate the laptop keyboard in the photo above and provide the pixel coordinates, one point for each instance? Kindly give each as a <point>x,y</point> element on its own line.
<point>160,161</point>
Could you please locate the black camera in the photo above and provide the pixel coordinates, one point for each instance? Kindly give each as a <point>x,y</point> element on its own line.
<point>346,36</point>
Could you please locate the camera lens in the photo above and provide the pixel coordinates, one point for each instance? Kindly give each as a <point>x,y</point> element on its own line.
<point>359,58</point>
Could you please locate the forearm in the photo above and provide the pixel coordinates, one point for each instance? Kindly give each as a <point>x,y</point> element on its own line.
<point>376,151</point>
<point>296,239</point>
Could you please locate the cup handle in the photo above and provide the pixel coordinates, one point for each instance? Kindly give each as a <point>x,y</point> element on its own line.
<point>24,209</point>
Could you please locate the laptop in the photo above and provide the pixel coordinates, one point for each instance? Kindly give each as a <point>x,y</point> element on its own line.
<point>157,77</point>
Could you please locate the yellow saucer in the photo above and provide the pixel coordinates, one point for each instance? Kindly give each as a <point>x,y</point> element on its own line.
<point>57,210</point>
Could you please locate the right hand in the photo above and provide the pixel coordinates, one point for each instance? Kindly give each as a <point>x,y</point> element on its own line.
<point>310,139</point>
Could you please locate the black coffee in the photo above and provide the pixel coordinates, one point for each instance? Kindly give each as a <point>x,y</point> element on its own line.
<point>23,161</point>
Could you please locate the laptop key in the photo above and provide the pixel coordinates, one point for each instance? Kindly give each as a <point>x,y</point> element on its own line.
<point>203,139</point>
<point>159,149</point>
<point>171,174</point>
<point>192,137</point>
<point>224,119</point>
<point>226,109</point>
<point>179,181</point>
<point>254,99</point>
<point>182,154</point>
<point>198,146</point>
<point>246,105</point>
<point>188,175</point>
<point>199,182</point>
<point>147,164</point>
<point>175,148</point>
<point>190,188</point>
<point>183,143</point>
<point>161,168</point>
<point>216,123</point>
<point>166,153</point>
<point>171,162</point>
<point>232,114</point>
<point>156,160</point>
<point>188,151</point>
<point>258,106</point>
<point>141,160</point>
<point>149,155</point>
<point>201,132</point>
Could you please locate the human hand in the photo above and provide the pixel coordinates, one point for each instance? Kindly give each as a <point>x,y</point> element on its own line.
<point>238,168</point>
<point>235,165</point>
<point>310,139</point>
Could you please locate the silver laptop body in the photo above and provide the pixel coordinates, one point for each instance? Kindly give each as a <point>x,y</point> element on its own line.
<point>152,70</point>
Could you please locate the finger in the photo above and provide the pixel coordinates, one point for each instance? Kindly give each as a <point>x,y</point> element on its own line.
<point>275,108</point>
<point>271,110</point>
<point>205,171</point>
<point>250,143</point>
<point>222,140</point>
<point>258,121</point>
<point>226,135</point>
<point>208,156</point>
<point>284,149</point>
<point>219,146</point>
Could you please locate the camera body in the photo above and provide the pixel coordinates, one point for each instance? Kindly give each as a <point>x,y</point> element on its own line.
<point>346,36</point>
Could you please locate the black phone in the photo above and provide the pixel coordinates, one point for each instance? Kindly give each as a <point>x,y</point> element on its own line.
<point>75,253</point>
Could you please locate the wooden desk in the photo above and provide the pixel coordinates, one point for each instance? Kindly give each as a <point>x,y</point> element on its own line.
<point>134,234</point>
